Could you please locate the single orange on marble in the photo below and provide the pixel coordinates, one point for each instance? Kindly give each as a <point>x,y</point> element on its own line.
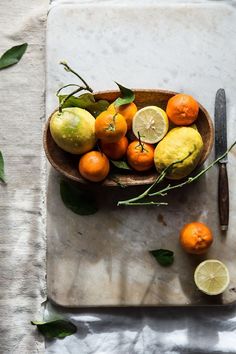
<point>196,238</point>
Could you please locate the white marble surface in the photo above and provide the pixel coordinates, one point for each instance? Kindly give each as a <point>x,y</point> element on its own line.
<point>176,47</point>
<point>164,330</point>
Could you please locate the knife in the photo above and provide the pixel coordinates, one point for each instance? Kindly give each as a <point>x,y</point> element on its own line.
<point>220,148</point>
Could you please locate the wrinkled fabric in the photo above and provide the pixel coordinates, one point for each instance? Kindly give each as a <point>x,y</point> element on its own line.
<point>22,235</point>
<point>148,330</point>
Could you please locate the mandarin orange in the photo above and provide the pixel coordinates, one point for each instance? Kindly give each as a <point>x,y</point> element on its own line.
<point>127,110</point>
<point>196,238</point>
<point>94,166</point>
<point>110,127</point>
<point>140,155</point>
<point>115,150</point>
<point>182,109</point>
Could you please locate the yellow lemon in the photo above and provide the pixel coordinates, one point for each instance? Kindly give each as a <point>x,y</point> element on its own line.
<point>182,144</point>
<point>73,130</point>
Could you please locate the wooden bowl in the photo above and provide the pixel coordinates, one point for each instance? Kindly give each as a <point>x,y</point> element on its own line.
<point>66,163</point>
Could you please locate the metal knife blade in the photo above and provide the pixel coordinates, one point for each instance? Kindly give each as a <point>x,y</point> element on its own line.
<point>220,125</point>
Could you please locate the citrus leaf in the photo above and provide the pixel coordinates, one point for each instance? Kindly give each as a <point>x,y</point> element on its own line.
<point>98,107</point>
<point>82,101</point>
<point>12,55</point>
<point>85,101</point>
<point>117,181</point>
<point>79,201</point>
<point>127,96</point>
<point>121,164</point>
<point>2,173</point>
<point>56,328</point>
<point>163,257</point>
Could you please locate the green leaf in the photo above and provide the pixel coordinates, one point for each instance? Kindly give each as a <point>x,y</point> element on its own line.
<point>56,328</point>
<point>163,257</point>
<point>127,96</point>
<point>121,164</point>
<point>2,173</point>
<point>12,56</point>
<point>117,181</point>
<point>98,107</point>
<point>85,101</point>
<point>79,201</point>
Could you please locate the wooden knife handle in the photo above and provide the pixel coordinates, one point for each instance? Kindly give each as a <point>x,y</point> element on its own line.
<point>223,197</point>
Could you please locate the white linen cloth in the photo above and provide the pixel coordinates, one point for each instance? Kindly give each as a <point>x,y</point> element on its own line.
<point>22,237</point>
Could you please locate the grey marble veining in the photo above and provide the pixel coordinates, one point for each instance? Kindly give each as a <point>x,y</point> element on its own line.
<point>103,259</point>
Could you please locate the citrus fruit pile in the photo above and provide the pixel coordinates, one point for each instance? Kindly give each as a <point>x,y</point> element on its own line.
<point>144,138</point>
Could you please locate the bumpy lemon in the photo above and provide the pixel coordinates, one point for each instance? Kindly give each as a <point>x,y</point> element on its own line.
<point>73,130</point>
<point>180,144</point>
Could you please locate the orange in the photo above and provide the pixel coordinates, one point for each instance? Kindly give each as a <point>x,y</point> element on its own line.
<point>127,110</point>
<point>140,155</point>
<point>94,166</point>
<point>110,127</point>
<point>182,109</point>
<point>196,238</point>
<point>116,150</point>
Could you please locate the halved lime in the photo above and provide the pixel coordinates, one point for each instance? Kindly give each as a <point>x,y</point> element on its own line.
<point>211,277</point>
<point>151,123</point>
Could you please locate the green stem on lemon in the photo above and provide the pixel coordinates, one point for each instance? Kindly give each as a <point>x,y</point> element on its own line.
<point>192,179</point>
<point>158,180</point>
<point>68,96</point>
<point>165,190</point>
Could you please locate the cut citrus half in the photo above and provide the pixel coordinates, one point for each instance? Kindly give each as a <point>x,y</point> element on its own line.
<point>151,123</point>
<point>211,277</point>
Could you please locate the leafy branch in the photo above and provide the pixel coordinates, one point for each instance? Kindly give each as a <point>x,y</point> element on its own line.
<point>164,191</point>
<point>79,88</point>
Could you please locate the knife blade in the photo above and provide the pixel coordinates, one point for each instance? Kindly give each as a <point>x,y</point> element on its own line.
<point>220,125</point>
<point>220,148</point>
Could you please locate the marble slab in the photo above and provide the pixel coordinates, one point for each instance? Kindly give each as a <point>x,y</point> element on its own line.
<point>103,259</point>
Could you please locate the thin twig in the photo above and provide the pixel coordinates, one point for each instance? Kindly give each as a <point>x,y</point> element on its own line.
<point>68,68</point>
<point>158,180</point>
<point>58,91</point>
<point>146,203</point>
<point>165,190</point>
<point>194,178</point>
<point>68,96</point>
